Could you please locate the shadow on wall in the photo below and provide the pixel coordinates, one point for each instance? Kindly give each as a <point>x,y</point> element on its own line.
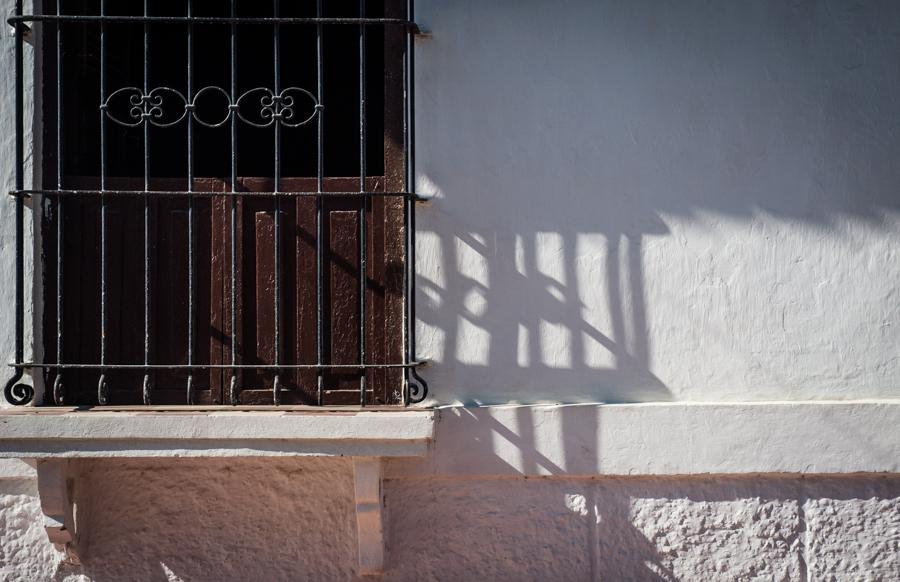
<point>520,311</point>
<point>587,162</point>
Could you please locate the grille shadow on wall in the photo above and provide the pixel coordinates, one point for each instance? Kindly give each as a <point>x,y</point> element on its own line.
<point>508,309</point>
<point>225,202</point>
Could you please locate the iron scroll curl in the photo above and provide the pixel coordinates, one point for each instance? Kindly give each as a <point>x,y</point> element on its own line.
<point>16,393</point>
<point>416,386</point>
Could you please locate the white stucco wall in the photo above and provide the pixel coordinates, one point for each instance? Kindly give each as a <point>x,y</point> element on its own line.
<point>647,200</point>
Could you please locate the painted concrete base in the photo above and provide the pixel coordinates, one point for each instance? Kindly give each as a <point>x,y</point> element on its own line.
<point>293,519</point>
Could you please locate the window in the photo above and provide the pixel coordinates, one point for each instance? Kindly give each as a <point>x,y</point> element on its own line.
<point>227,215</point>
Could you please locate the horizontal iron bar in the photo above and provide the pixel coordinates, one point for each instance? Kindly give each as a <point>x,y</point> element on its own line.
<point>211,20</point>
<point>196,193</point>
<point>26,365</point>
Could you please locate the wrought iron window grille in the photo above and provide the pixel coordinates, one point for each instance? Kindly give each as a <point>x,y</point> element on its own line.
<point>213,215</point>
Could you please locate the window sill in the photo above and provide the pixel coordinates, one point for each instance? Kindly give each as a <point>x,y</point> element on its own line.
<point>214,432</point>
<point>58,436</point>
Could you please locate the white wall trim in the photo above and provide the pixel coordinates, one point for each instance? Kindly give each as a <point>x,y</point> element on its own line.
<point>582,440</point>
<point>589,440</point>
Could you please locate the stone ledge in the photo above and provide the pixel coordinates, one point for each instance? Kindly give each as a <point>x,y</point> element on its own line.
<point>43,433</point>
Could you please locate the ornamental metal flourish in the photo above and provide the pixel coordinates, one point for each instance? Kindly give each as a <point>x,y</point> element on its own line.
<point>165,107</point>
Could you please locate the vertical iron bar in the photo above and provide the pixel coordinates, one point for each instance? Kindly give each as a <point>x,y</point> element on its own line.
<point>277,122</point>
<point>102,394</point>
<point>58,387</point>
<point>320,234</point>
<point>413,381</point>
<point>232,386</point>
<point>190,213</point>
<point>10,391</point>
<point>146,384</point>
<point>407,68</point>
<point>20,204</point>
<point>363,272</point>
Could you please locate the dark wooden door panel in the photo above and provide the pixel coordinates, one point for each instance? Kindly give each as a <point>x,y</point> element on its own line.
<point>255,268</point>
<point>81,291</point>
<point>298,331</point>
<point>342,291</point>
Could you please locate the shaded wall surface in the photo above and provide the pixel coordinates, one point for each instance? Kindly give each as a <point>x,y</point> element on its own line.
<point>293,520</point>
<point>647,200</point>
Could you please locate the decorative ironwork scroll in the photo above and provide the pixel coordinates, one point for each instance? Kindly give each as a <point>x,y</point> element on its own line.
<point>166,107</point>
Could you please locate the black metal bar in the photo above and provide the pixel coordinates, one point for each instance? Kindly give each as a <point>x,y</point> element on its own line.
<point>19,394</point>
<point>20,183</point>
<point>195,194</point>
<point>416,387</point>
<point>189,396</point>
<point>27,365</point>
<point>147,283</point>
<point>102,392</point>
<point>276,49</point>
<point>211,20</point>
<point>320,231</point>
<point>363,271</point>
<point>58,385</point>
<point>232,385</point>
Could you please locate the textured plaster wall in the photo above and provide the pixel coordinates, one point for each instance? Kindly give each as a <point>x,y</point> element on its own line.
<point>25,552</point>
<point>196,520</point>
<point>220,520</point>
<point>766,528</point>
<point>651,201</point>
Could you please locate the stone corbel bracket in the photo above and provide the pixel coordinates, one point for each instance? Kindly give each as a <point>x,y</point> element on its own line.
<point>55,488</point>
<point>367,476</point>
